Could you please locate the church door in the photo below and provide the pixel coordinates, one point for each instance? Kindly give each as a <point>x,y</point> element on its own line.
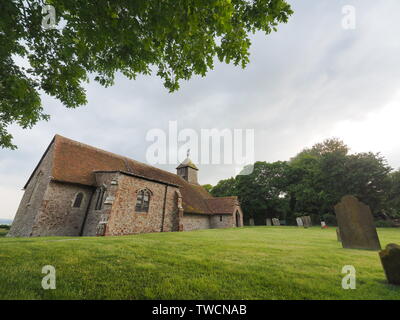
<point>237,219</point>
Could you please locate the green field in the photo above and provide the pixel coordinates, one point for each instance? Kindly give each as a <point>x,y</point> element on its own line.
<point>245,263</point>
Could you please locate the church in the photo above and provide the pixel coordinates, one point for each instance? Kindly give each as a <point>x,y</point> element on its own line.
<point>79,190</point>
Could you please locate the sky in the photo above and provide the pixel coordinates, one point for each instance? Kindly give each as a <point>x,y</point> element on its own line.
<point>313,79</point>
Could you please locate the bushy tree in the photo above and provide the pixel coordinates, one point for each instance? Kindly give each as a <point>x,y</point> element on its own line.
<point>208,187</point>
<point>313,181</point>
<point>393,196</point>
<point>367,178</point>
<point>263,193</point>
<point>225,188</point>
<point>328,172</point>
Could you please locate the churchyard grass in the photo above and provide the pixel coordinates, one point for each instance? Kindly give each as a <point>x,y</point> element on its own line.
<point>241,263</point>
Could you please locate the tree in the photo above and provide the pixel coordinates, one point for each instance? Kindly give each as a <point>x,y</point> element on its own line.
<point>328,146</point>
<point>225,188</point>
<point>174,38</point>
<point>328,172</point>
<point>393,196</point>
<point>208,187</point>
<point>306,196</point>
<point>320,175</point>
<point>263,193</point>
<point>367,178</point>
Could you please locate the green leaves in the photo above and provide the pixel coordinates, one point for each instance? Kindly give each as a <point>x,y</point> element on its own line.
<point>313,182</point>
<point>175,38</point>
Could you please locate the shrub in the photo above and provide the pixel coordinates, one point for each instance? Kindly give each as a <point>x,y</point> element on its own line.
<point>5,226</point>
<point>384,224</point>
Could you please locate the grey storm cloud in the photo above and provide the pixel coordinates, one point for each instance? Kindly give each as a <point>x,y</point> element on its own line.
<point>301,82</point>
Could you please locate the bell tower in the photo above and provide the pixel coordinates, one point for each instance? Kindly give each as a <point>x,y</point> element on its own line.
<point>188,170</point>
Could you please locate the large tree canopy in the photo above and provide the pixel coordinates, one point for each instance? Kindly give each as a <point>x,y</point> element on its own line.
<point>313,181</point>
<point>175,39</point>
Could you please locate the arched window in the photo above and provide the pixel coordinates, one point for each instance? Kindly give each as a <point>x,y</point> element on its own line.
<point>100,198</point>
<point>78,200</point>
<point>142,201</point>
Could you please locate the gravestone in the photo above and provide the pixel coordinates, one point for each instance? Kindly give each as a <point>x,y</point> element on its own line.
<point>268,222</point>
<point>299,222</point>
<point>390,258</point>
<point>323,225</point>
<point>251,221</point>
<point>356,224</point>
<point>275,222</point>
<point>306,221</point>
<point>338,235</point>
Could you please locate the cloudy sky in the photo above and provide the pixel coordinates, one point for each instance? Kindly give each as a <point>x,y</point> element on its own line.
<point>311,80</point>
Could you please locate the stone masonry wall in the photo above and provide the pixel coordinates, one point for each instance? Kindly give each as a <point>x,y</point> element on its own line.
<point>58,217</point>
<point>109,181</point>
<point>31,202</point>
<point>228,221</point>
<point>125,220</point>
<point>195,222</point>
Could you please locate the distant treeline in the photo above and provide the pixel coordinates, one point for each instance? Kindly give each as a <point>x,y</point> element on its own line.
<point>5,226</point>
<point>312,182</point>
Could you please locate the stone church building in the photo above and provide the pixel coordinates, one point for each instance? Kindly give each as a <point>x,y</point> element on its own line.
<point>79,190</point>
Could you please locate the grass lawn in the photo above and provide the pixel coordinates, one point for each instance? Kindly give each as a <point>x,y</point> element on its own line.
<point>244,263</point>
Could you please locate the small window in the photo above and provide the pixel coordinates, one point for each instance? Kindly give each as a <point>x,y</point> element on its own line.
<point>100,198</point>
<point>142,201</point>
<point>220,218</point>
<point>78,200</point>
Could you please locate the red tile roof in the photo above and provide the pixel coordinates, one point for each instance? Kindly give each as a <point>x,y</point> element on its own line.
<point>223,204</point>
<point>75,162</point>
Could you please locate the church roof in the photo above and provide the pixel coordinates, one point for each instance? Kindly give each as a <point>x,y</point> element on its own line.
<point>223,204</point>
<point>75,162</point>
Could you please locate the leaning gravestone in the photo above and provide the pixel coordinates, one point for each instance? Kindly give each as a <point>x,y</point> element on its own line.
<point>299,222</point>
<point>356,224</point>
<point>306,221</point>
<point>275,222</point>
<point>390,258</point>
<point>268,222</point>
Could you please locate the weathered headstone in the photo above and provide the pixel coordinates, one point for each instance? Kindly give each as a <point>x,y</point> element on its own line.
<point>338,235</point>
<point>323,225</point>
<point>356,224</point>
<point>299,222</point>
<point>268,222</point>
<point>251,221</point>
<point>306,221</point>
<point>275,222</point>
<point>390,258</point>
